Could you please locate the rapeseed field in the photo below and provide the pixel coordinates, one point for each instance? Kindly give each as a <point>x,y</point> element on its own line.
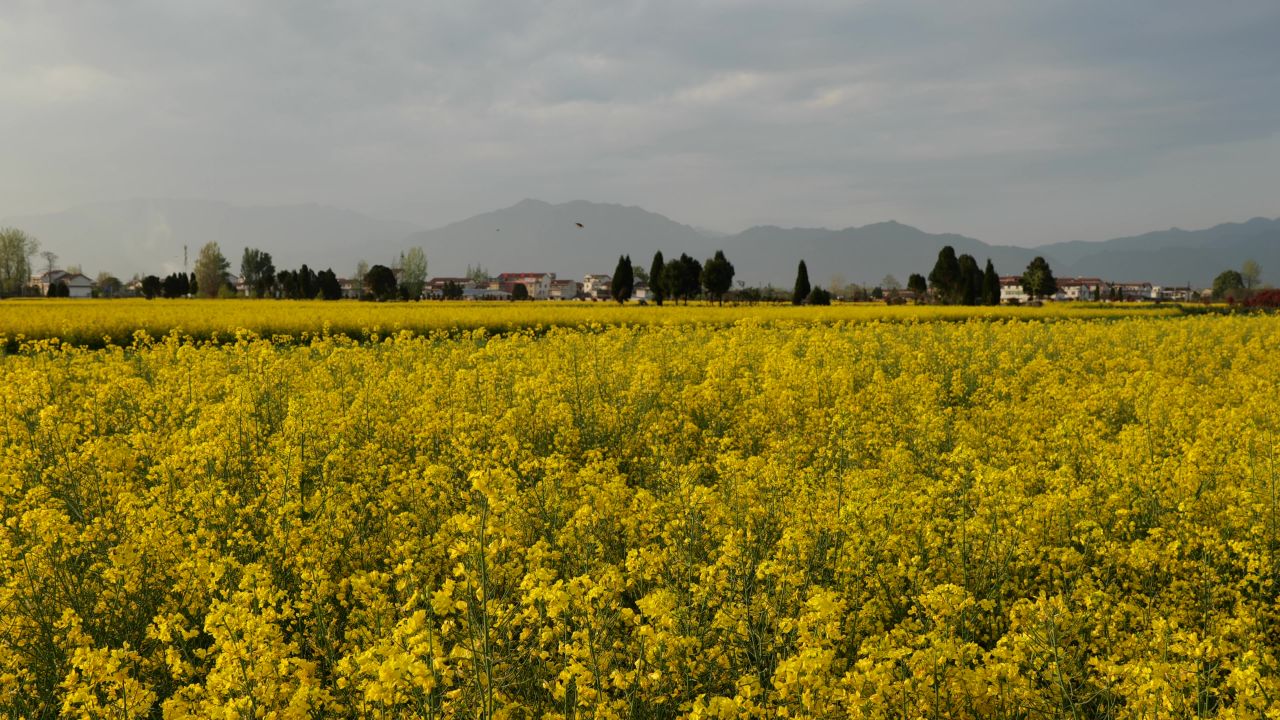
<point>1027,515</point>
<point>100,322</point>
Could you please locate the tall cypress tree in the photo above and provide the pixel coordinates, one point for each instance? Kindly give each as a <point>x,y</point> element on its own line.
<point>682,278</point>
<point>656,289</point>
<point>802,288</point>
<point>990,285</point>
<point>328,286</point>
<point>945,277</point>
<point>621,283</point>
<point>671,279</point>
<point>970,280</point>
<point>690,277</point>
<point>717,276</point>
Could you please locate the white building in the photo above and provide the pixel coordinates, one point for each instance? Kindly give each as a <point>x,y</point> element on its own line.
<point>596,287</point>
<point>78,285</point>
<point>1082,289</point>
<point>1136,291</point>
<point>537,283</point>
<point>484,293</point>
<point>1011,290</point>
<point>565,289</point>
<point>350,288</point>
<point>1175,294</point>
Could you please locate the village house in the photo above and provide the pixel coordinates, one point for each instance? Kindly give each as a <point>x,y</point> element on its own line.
<point>1184,293</point>
<point>484,293</point>
<point>1078,288</point>
<point>1011,290</point>
<point>537,283</point>
<point>78,285</point>
<point>565,289</point>
<point>350,289</point>
<point>596,287</point>
<point>1136,291</point>
<point>436,285</point>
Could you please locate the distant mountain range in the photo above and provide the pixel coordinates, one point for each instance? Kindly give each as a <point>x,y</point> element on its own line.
<point>1175,256</point>
<point>148,236</point>
<point>570,239</point>
<point>536,236</point>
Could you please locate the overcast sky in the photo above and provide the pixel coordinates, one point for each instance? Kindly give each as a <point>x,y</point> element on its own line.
<point>1014,121</point>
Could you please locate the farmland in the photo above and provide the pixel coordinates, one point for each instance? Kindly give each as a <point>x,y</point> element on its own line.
<point>537,511</point>
<point>99,322</point>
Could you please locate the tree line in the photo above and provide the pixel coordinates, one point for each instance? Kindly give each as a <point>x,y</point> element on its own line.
<point>677,279</point>
<point>261,279</point>
<point>954,279</point>
<point>1238,285</point>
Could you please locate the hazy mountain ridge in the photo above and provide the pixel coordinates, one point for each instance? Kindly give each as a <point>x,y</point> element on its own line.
<point>147,235</point>
<point>523,237</point>
<point>856,254</point>
<point>1078,250</point>
<point>1175,256</point>
<point>533,235</point>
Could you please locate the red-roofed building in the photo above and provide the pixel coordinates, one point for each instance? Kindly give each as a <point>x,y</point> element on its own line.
<point>1011,289</point>
<point>565,289</point>
<point>1081,289</point>
<point>537,283</point>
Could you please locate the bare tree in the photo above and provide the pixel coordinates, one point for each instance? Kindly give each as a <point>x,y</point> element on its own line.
<point>211,270</point>
<point>413,272</point>
<point>50,257</point>
<point>16,249</point>
<point>1251,274</point>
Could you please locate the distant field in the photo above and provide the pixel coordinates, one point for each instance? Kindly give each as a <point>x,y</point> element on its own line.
<point>101,322</point>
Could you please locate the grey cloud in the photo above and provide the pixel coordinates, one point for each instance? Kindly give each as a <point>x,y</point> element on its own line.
<point>717,113</point>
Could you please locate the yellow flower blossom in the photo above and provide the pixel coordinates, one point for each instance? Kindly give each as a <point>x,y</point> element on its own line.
<point>560,511</point>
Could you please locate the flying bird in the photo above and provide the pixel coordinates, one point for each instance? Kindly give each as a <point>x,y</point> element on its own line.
<point>579,224</point>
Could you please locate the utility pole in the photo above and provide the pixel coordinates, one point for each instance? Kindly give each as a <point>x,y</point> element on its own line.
<point>184,259</point>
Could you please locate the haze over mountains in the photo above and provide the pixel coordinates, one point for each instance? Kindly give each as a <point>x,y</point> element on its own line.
<point>147,236</point>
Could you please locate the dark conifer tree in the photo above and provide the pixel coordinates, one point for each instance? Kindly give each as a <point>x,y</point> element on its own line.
<point>1038,280</point>
<point>945,278</point>
<point>329,287</point>
<point>970,289</point>
<point>717,276</point>
<point>918,285</point>
<point>151,286</point>
<point>381,282</point>
<point>801,292</point>
<point>990,285</point>
<point>657,290</point>
<point>690,277</point>
<point>623,280</point>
